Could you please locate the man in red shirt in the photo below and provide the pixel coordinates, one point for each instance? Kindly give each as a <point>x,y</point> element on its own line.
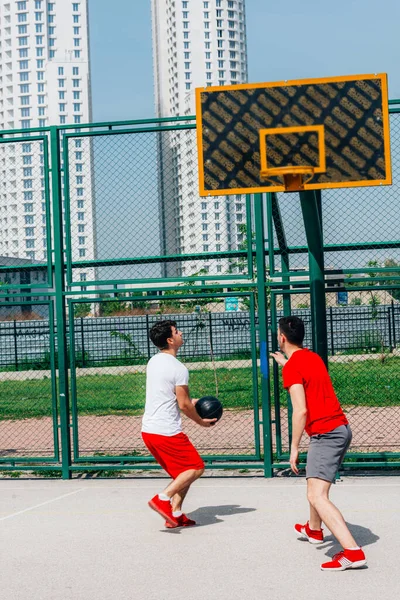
<point>317,410</point>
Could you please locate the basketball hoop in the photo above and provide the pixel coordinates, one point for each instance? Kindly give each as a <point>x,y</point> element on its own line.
<point>294,177</point>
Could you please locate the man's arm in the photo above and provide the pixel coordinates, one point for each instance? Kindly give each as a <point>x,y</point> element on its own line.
<point>298,398</point>
<point>188,408</point>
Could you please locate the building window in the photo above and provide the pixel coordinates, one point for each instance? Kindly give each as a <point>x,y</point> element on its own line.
<point>81,228</point>
<point>77,42</point>
<point>77,53</point>
<point>76,95</point>
<point>22,18</point>
<point>23,41</point>
<point>40,99</point>
<point>26,147</point>
<point>40,87</point>
<point>29,231</point>
<point>29,219</point>
<point>75,6</point>
<point>23,52</point>
<point>28,207</point>
<point>39,51</point>
<point>75,70</point>
<point>61,82</point>
<point>62,119</point>
<point>82,252</point>
<point>77,106</point>
<point>61,95</point>
<point>81,216</point>
<point>76,18</point>
<point>27,160</point>
<point>22,29</point>
<point>42,122</point>
<point>25,100</point>
<point>205,247</point>
<point>28,195</point>
<point>187,86</point>
<point>40,64</point>
<point>77,119</point>
<point>81,240</point>
<point>61,107</point>
<point>52,53</point>
<point>76,30</point>
<point>25,124</point>
<point>80,204</point>
<point>40,75</point>
<point>75,82</point>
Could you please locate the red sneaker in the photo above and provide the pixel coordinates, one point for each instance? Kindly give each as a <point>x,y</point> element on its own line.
<point>163,507</point>
<point>314,536</point>
<point>346,559</point>
<point>183,521</point>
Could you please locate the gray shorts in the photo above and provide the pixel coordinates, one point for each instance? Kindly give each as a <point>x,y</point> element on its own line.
<point>326,453</point>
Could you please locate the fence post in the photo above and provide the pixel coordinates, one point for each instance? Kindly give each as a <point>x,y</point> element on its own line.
<point>15,345</point>
<point>211,337</point>
<point>59,279</point>
<point>147,337</point>
<point>311,209</point>
<point>82,344</point>
<point>263,333</point>
<point>390,331</point>
<point>331,322</point>
<point>394,326</point>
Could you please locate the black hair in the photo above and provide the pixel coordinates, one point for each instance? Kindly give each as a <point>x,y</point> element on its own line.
<point>160,332</point>
<point>293,329</point>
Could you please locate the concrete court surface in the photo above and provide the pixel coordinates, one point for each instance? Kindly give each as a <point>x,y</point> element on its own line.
<point>90,539</point>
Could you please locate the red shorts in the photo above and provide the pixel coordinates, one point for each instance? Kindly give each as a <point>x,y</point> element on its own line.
<point>174,453</point>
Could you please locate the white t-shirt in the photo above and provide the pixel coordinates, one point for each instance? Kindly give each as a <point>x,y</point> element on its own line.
<point>162,415</point>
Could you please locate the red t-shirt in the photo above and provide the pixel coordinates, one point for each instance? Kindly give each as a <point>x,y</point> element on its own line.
<point>324,412</point>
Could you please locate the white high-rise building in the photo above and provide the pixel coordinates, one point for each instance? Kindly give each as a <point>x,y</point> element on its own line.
<point>195,43</point>
<point>44,80</point>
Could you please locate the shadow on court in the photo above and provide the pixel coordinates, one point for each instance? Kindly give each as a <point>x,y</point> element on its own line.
<point>210,515</point>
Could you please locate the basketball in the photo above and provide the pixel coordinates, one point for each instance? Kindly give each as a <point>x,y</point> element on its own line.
<point>209,407</point>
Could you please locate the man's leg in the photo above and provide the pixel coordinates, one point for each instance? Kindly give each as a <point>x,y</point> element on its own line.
<point>178,498</point>
<point>315,521</point>
<point>318,497</point>
<point>181,483</point>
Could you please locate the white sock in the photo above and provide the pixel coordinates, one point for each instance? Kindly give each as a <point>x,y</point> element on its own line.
<point>177,513</point>
<point>355,548</point>
<point>163,497</point>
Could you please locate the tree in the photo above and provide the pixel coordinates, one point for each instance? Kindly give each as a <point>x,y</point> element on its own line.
<point>81,309</point>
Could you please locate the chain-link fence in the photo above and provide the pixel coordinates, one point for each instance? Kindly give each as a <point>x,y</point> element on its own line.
<point>108,400</point>
<point>116,208</point>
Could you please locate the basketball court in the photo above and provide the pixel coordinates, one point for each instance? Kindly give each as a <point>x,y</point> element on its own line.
<point>98,539</point>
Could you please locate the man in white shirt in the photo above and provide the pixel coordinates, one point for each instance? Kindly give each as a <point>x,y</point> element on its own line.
<point>167,393</point>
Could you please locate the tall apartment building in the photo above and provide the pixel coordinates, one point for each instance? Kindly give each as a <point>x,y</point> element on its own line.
<point>44,80</point>
<point>195,43</point>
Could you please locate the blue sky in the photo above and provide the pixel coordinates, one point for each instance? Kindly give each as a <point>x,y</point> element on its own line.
<point>290,40</point>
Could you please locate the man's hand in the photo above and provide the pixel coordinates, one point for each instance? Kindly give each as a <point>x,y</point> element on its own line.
<point>279,358</point>
<point>208,422</point>
<point>294,459</point>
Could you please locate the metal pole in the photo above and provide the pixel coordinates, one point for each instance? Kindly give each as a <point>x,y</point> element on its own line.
<point>15,345</point>
<point>332,338</point>
<point>59,279</point>
<point>263,334</point>
<point>313,228</point>
<point>82,344</point>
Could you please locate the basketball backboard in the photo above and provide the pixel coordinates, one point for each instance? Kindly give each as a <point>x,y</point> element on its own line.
<point>334,132</point>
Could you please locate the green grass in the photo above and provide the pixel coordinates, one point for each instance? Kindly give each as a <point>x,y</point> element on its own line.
<point>364,383</point>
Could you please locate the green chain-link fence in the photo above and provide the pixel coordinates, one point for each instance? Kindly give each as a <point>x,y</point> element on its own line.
<point>103,232</point>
